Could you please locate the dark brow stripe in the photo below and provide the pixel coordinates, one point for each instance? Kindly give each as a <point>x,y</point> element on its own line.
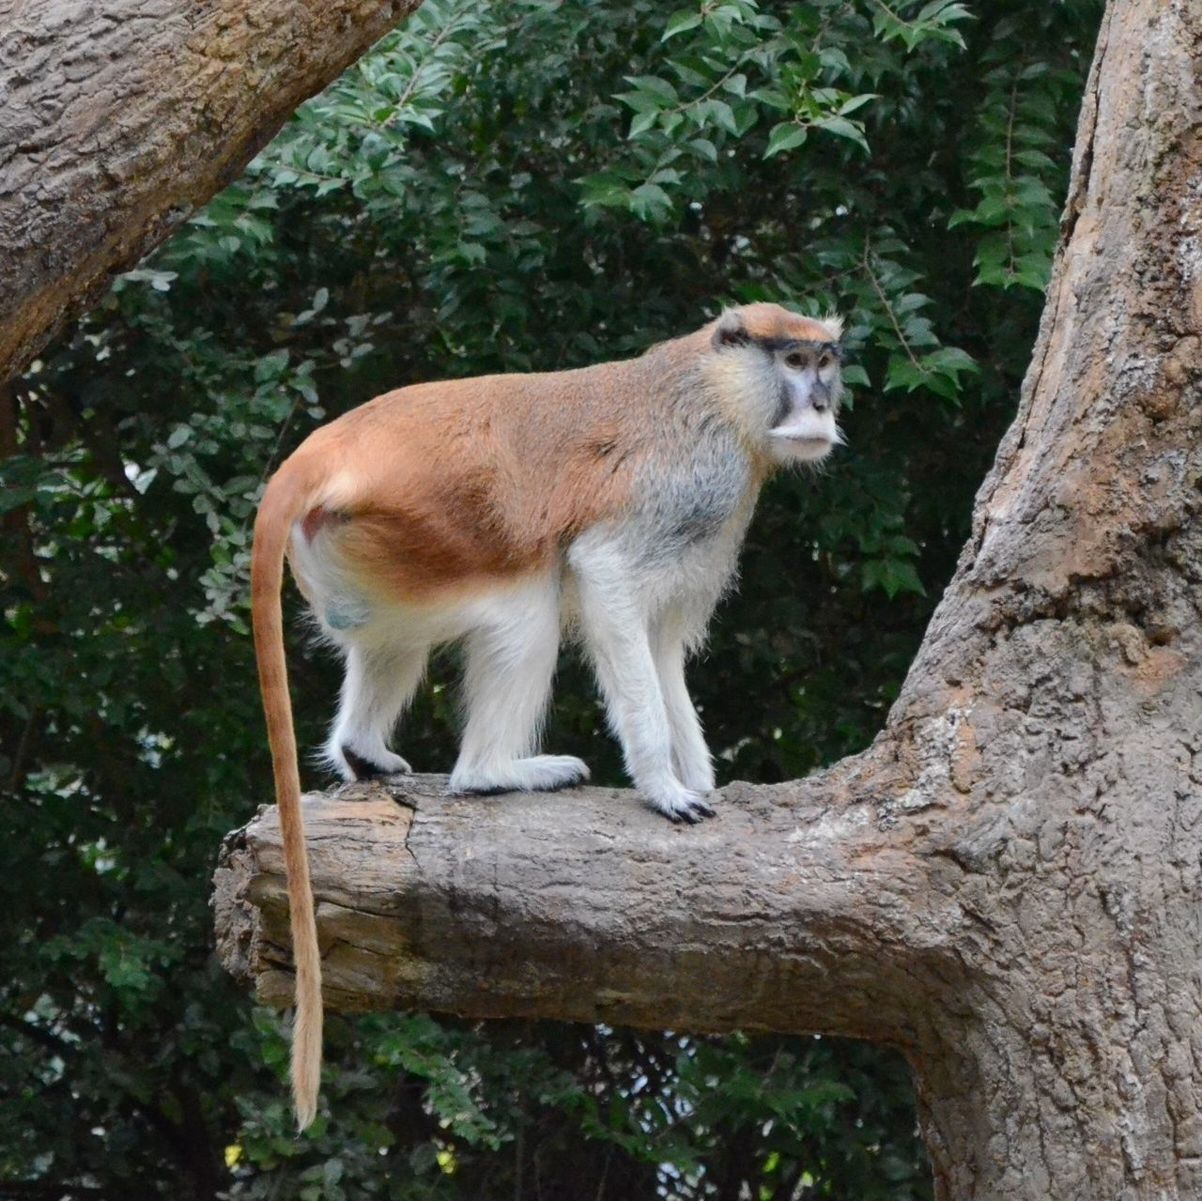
<point>774,344</point>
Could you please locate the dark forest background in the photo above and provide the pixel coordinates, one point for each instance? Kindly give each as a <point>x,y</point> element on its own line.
<point>522,186</point>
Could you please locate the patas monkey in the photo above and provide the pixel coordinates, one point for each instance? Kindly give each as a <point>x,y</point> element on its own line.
<point>610,501</point>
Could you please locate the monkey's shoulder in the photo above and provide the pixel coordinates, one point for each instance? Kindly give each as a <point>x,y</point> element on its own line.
<point>691,501</point>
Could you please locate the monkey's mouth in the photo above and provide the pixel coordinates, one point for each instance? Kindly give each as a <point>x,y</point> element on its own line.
<point>810,441</point>
<point>803,447</point>
<point>806,436</point>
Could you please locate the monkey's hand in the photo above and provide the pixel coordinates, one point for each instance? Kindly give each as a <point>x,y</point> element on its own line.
<point>678,803</point>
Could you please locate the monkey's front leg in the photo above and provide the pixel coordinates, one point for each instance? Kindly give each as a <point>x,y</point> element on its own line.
<point>616,635</point>
<point>690,755</point>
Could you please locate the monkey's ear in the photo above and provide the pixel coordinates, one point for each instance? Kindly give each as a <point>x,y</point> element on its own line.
<point>833,326</point>
<point>730,331</point>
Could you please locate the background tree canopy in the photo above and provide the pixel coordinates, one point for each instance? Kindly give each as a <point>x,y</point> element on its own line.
<point>528,186</point>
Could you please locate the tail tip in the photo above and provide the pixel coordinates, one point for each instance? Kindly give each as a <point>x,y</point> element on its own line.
<point>306,1072</point>
<point>306,1111</point>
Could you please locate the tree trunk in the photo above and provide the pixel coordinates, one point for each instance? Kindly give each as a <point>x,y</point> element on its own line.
<point>1008,884</point>
<point>118,121</point>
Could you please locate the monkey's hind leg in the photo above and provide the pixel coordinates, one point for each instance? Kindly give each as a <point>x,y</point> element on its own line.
<point>510,660</point>
<point>380,681</point>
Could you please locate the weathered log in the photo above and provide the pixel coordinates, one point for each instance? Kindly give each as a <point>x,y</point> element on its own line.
<point>118,121</point>
<point>1008,884</point>
<point>587,906</point>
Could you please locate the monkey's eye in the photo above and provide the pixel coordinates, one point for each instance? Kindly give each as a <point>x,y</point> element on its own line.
<point>795,359</point>
<point>826,360</point>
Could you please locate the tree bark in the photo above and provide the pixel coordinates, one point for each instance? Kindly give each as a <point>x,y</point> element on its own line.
<point>118,121</point>
<point>1007,884</point>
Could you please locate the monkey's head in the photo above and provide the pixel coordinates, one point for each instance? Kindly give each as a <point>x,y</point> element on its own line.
<point>780,375</point>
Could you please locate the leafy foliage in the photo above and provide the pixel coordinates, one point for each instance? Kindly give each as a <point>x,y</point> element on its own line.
<point>525,186</point>
<point>1017,169</point>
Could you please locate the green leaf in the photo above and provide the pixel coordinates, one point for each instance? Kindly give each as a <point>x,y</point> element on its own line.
<point>643,121</point>
<point>785,136</point>
<point>271,366</point>
<point>654,86</point>
<point>681,22</point>
<point>855,102</point>
<point>650,201</point>
<point>841,127</point>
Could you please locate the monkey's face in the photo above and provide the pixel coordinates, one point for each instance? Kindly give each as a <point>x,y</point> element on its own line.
<point>782,374</point>
<point>803,426</point>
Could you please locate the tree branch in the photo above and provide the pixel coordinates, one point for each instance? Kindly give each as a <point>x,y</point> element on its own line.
<point>118,124</point>
<point>801,906</point>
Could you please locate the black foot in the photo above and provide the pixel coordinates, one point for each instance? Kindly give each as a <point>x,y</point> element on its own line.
<point>364,769</point>
<point>688,815</point>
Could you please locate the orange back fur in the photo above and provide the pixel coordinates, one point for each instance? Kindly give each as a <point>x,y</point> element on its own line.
<point>446,487</point>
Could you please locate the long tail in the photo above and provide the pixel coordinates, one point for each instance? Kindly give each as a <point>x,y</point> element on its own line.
<point>283,502</point>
